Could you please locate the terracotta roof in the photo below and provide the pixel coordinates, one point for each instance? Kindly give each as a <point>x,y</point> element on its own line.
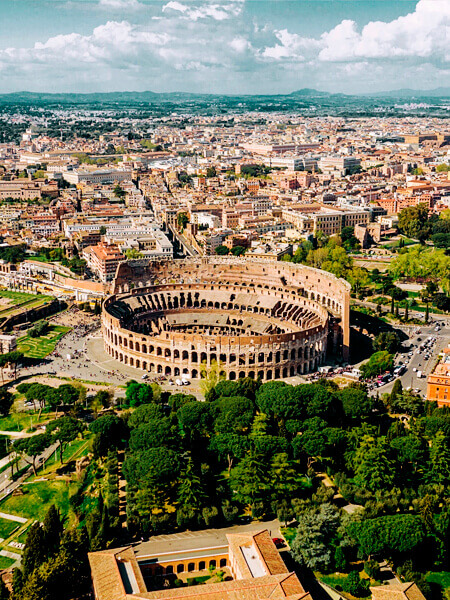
<point>400,591</point>
<point>271,587</point>
<point>106,575</point>
<point>117,576</point>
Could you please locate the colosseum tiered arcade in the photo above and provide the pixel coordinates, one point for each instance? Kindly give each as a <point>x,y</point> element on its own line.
<point>257,318</point>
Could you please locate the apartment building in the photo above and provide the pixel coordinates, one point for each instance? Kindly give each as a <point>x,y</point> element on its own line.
<point>438,383</point>
<point>103,176</point>
<point>102,260</point>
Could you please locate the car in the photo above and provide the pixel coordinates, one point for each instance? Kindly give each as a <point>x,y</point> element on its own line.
<point>279,542</point>
<point>144,376</point>
<point>414,369</point>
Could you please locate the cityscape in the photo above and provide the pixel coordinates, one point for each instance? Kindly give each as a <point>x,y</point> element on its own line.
<point>224,300</point>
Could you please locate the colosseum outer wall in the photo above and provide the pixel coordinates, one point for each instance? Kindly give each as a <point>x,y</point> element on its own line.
<point>266,356</point>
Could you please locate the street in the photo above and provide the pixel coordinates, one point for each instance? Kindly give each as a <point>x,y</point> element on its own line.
<point>418,361</point>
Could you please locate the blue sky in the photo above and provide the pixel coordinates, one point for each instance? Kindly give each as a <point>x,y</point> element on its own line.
<point>224,46</point>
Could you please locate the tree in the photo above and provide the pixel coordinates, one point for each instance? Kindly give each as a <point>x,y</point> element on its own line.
<point>356,402</point>
<point>190,489</point>
<point>64,430</point>
<point>373,467</point>
<point>222,250</point>
<point>64,395</point>
<point>442,302</point>
<point>235,414</point>
<point>387,536</point>
<point>104,397</point>
<point>229,447</point>
<point>211,172</point>
<point>397,390</point>
<point>238,250</point>
<point>41,328</point>
<point>210,376</point>
<point>249,480</point>
<point>356,586</point>
<point>53,530</point>
<point>284,475</point>
<point>133,253</point>
<point>152,434</point>
<point>413,221</point>
<point>311,546</point>
<point>34,553</point>
<point>119,192</point>
<point>6,401</point>
<point>138,393</point>
<point>182,220</point>
<point>32,447</point>
<point>196,420</point>
<point>388,341</point>
<point>378,363</point>
<point>440,459</point>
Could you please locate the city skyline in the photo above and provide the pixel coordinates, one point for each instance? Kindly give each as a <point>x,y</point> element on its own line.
<point>223,47</point>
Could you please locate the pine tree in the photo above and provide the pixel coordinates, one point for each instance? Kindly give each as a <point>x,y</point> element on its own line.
<point>34,553</point>
<point>396,310</point>
<point>17,583</point>
<point>53,530</point>
<point>392,305</point>
<point>407,312</point>
<point>427,312</point>
<point>440,459</point>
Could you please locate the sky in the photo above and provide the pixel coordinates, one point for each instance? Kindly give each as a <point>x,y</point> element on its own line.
<point>224,46</point>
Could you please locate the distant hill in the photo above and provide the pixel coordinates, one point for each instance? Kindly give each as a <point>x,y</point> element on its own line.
<point>302,95</point>
<point>441,92</point>
<point>80,98</point>
<point>309,93</point>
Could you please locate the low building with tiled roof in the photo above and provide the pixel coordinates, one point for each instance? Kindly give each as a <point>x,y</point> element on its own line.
<point>254,568</point>
<point>398,591</point>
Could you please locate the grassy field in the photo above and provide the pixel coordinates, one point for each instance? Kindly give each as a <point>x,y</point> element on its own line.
<point>20,300</point>
<point>38,497</point>
<point>22,421</point>
<point>73,451</point>
<point>6,562</point>
<point>42,346</point>
<point>7,527</point>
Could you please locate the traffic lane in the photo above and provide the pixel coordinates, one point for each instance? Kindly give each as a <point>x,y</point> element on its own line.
<point>418,361</point>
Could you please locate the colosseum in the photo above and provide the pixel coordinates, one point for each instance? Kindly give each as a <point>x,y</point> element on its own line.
<point>256,318</point>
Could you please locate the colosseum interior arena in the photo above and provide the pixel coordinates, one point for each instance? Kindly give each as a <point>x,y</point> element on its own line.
<point>256,318</point>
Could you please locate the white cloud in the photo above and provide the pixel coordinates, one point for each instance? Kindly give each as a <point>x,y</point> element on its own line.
<point>216,45</point>
<point>240,45</point>
<point>424,33</point>
<point>205,10</point>
<point>120,4</point>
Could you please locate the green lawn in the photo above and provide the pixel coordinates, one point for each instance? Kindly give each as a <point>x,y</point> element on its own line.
<point>6,562</point>
<point>7,527</point>
<point>334,579</point>
<point>20,300</point>
<point>74,450</point>
<point>42,346</point>
<point>38,497</point>
<point>22,421</point>
<point>18,297</point>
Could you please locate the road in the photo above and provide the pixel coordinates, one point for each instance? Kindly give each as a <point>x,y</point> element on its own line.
<point>417,360</point>
<point>7,485</point>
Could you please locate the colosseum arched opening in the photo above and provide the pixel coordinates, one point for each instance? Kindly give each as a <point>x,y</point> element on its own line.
<point>262,319</point>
